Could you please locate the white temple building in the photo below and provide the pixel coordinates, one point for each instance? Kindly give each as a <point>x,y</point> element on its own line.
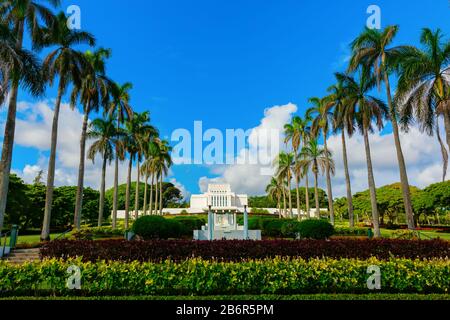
<point>220,198</point>
<point>222,206</point>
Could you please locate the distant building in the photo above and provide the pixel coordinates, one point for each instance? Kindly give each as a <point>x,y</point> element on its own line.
<point>220,198</point>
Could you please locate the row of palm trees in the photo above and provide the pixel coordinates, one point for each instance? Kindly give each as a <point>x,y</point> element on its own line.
<point>422,97</point>
<point>121,132</point>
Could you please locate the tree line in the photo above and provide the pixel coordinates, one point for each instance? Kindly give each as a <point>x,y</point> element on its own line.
<point>121,134</point>
<point>422,98</point>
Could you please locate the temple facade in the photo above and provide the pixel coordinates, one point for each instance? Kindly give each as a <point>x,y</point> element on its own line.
<point>223,206</point>
<point>220,198</point>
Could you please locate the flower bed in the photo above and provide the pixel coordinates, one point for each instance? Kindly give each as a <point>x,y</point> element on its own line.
<point>200,277</point>
<point>179,250</point>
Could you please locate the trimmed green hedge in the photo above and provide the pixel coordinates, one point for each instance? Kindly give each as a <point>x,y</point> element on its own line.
<point>199,277</point>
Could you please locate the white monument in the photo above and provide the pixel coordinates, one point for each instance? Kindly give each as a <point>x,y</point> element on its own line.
<point>223,206</point>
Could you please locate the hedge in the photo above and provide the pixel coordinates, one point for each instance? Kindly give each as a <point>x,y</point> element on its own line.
<point>200,277</point>
<point>177,250</point>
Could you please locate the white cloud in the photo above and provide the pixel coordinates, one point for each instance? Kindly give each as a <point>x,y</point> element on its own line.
<point>247,177</point>
<point>33,130</point>
<point>421,152</point>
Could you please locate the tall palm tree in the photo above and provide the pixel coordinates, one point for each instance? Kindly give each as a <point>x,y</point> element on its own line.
<point>144,133</point>
<point>322,118</point>
<point>372,50</point>
<point>120,107</point>
<point>283,163</point>
<point>163,162</point>
<point>274,191</point>
<point>93,93</point>
<point>67,64</point>
<point>344,122</point>
<point>313,157</point>
<point>293,133</point>
<point>367,110</point>
<point>106,138</point>
<point>305,129</point>
<point>423,90</point>
<point>21,15</point>
<point>148,169</point>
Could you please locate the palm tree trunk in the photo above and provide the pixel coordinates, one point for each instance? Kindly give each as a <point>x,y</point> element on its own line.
<point>291,214</point>
<point>151,193</point>
<point>101,207</point>
<point>347,181</point>
<point>8,138</point>
<point>116,182</point>
<point>400,158</point>
<point>80,186</point>
<point>329,188</point>
<point>127,193</point>
<point>316,193</point>
<point>372,189</point>
<point>136,194</point>
<point>156,195</point>
<point>298,198</point>
<point>160,195</point>
<point>145,194</point>
<point>284,201</point>
<point>447,124</point>
<point>279,207</point>
<point>45,234</point>
<point>307,195</point>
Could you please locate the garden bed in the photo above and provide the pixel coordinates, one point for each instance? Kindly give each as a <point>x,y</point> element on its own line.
<point>179,250</point>
<point>280,276</point>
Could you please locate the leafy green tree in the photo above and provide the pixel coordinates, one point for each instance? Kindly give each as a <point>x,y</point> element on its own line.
<point>66,63</point>
<point>372,50</point>
<point>367,110</point>
<point>93,92</point>
<point>423,91</point>
<point>23,70</point>
<point>322,119</point>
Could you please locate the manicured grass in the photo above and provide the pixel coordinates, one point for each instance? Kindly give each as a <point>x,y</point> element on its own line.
<point>387,233</point>
<point>33,239</point>
<point>255,297</point>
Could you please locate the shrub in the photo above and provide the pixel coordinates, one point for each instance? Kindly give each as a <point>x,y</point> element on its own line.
<point>315,229</point>
<point>272,227</point>
<point>346,231</point>
<point>88,233</point>
<point>188,225</point>
<point>200,277</point>
<point>259,211</point>
<point>178,250</point>
<point>155,227</point>
<point>290,229</point>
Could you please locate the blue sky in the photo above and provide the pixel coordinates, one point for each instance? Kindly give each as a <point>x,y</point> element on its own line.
<point>225,61</point>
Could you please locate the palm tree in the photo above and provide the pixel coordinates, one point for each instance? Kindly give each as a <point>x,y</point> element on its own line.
<point>305,129</point>
<point>371,49</point>
<point>107,138</point>
<point>163,162</point>
<point>93,93</point>
<point>343,121</point>
<point>274,191</point>
<point>148,169</point>
<point>144,133</point>
<point>120,107</point>
<point>21,71</point>
<point>423,90</point>
<point>284,163</point>
<point>68,64</point>
<point>322,118</point>
<point>366,110</point>
<point>313,157</point>
<point>293,133</point>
